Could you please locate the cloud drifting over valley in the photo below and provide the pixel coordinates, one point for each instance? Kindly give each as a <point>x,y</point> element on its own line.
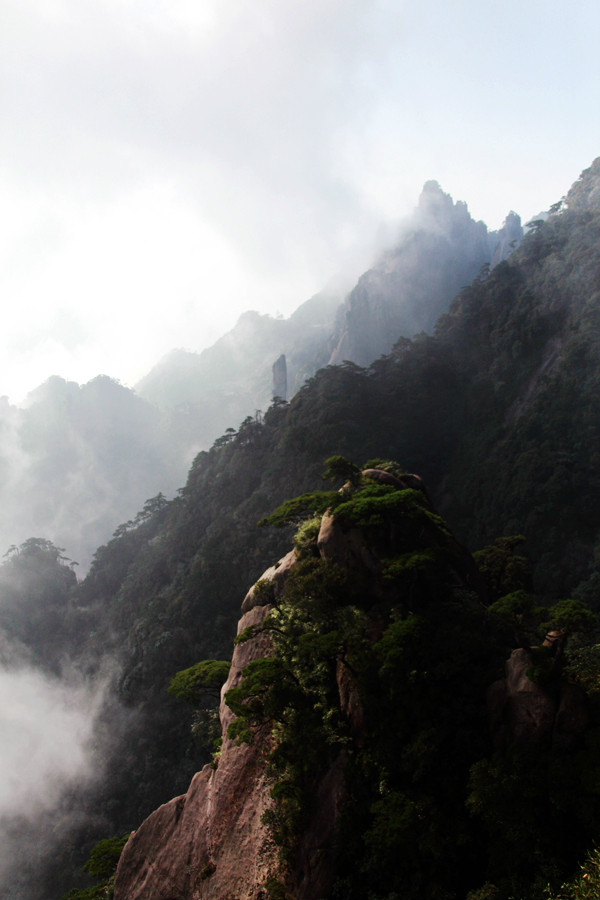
<point>168,165</point>
<point>48,753</point>
<point>46,728</point>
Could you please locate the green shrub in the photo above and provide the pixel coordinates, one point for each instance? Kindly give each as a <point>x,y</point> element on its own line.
<point>201,681</point>
<point>102,863</point>
<point>305,539</point>
<point>586,885</point>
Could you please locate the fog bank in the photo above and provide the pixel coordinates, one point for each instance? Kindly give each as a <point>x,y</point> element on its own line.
<point>48,755</point>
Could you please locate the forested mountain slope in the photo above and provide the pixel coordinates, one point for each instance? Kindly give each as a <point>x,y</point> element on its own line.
<point>356,758</point>
<point>413,282</point>
<point>76,460</point>
<point>439,249</point>
<point>527,341</point>
<point>497,411</point>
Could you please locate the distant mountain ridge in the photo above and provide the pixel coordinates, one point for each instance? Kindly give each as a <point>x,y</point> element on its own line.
<point>412,283</point>
<point>233,378</point>
<point>499,410</point>
<point>440,249</point>
<point>79,460</point>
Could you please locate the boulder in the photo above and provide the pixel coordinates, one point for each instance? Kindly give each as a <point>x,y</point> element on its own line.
<point>523,712</point>
<point>276,574</point>
<point>345,546</point>
<point>531,709</point>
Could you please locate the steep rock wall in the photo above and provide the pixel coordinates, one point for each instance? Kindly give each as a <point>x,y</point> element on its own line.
<point>413,283</point>
<point>524,712</point>
<point>210,843</point>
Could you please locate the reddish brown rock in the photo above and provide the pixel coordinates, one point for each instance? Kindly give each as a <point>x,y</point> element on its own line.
<point>345,546</point>
<point>531,710</point>
<point>380,476</point>
<point>210,843</point>
<point>524,712</point>
<point>276,574</point>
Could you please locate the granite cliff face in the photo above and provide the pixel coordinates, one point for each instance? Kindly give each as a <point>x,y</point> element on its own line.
<point>585,193</point>
<point>530,714</point>
<point>507,239</point>
<point>440,250</point>
<point>212,842</point>
<point>279,369</point>
<point>413,283</point>
<point>360,675</point>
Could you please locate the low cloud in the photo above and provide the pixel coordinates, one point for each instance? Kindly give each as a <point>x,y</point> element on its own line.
<point>49,755</point>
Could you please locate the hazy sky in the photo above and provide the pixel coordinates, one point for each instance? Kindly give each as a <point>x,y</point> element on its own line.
<point>167,164</point>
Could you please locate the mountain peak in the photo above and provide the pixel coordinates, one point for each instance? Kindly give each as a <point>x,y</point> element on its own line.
<point>437,210</point>
<point>433,197</point>
<point>585,193</point>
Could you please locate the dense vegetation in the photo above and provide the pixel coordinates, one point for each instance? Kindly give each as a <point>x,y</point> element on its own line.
<point>435,806</point>
<point>498,412</point>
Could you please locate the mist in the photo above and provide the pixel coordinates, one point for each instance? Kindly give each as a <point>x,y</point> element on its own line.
<point>49,756</point>
<point>78,461</point>
<point>61,723</point>
<point>166,167</point>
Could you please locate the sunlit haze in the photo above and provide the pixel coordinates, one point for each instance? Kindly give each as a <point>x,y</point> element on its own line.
<point>169,165</point>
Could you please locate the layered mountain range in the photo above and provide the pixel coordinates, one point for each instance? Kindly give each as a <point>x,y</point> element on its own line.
<point>79,460</point>
<point>439,249</point>
<point>412,707</point>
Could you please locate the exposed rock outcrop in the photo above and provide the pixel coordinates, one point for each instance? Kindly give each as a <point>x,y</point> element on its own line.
<point>346,546</point>
<point>209,843</point>
<point>412,284</point>
<point>507,239</point>
<point>276,575</point>
<point>280,377</point>
<point>212,843</point>
<point>406,480</point>
<point>585,193</point>
<point>529,714</point>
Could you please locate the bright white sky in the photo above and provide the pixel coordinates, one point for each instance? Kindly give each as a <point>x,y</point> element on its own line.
<point>167,164</point>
